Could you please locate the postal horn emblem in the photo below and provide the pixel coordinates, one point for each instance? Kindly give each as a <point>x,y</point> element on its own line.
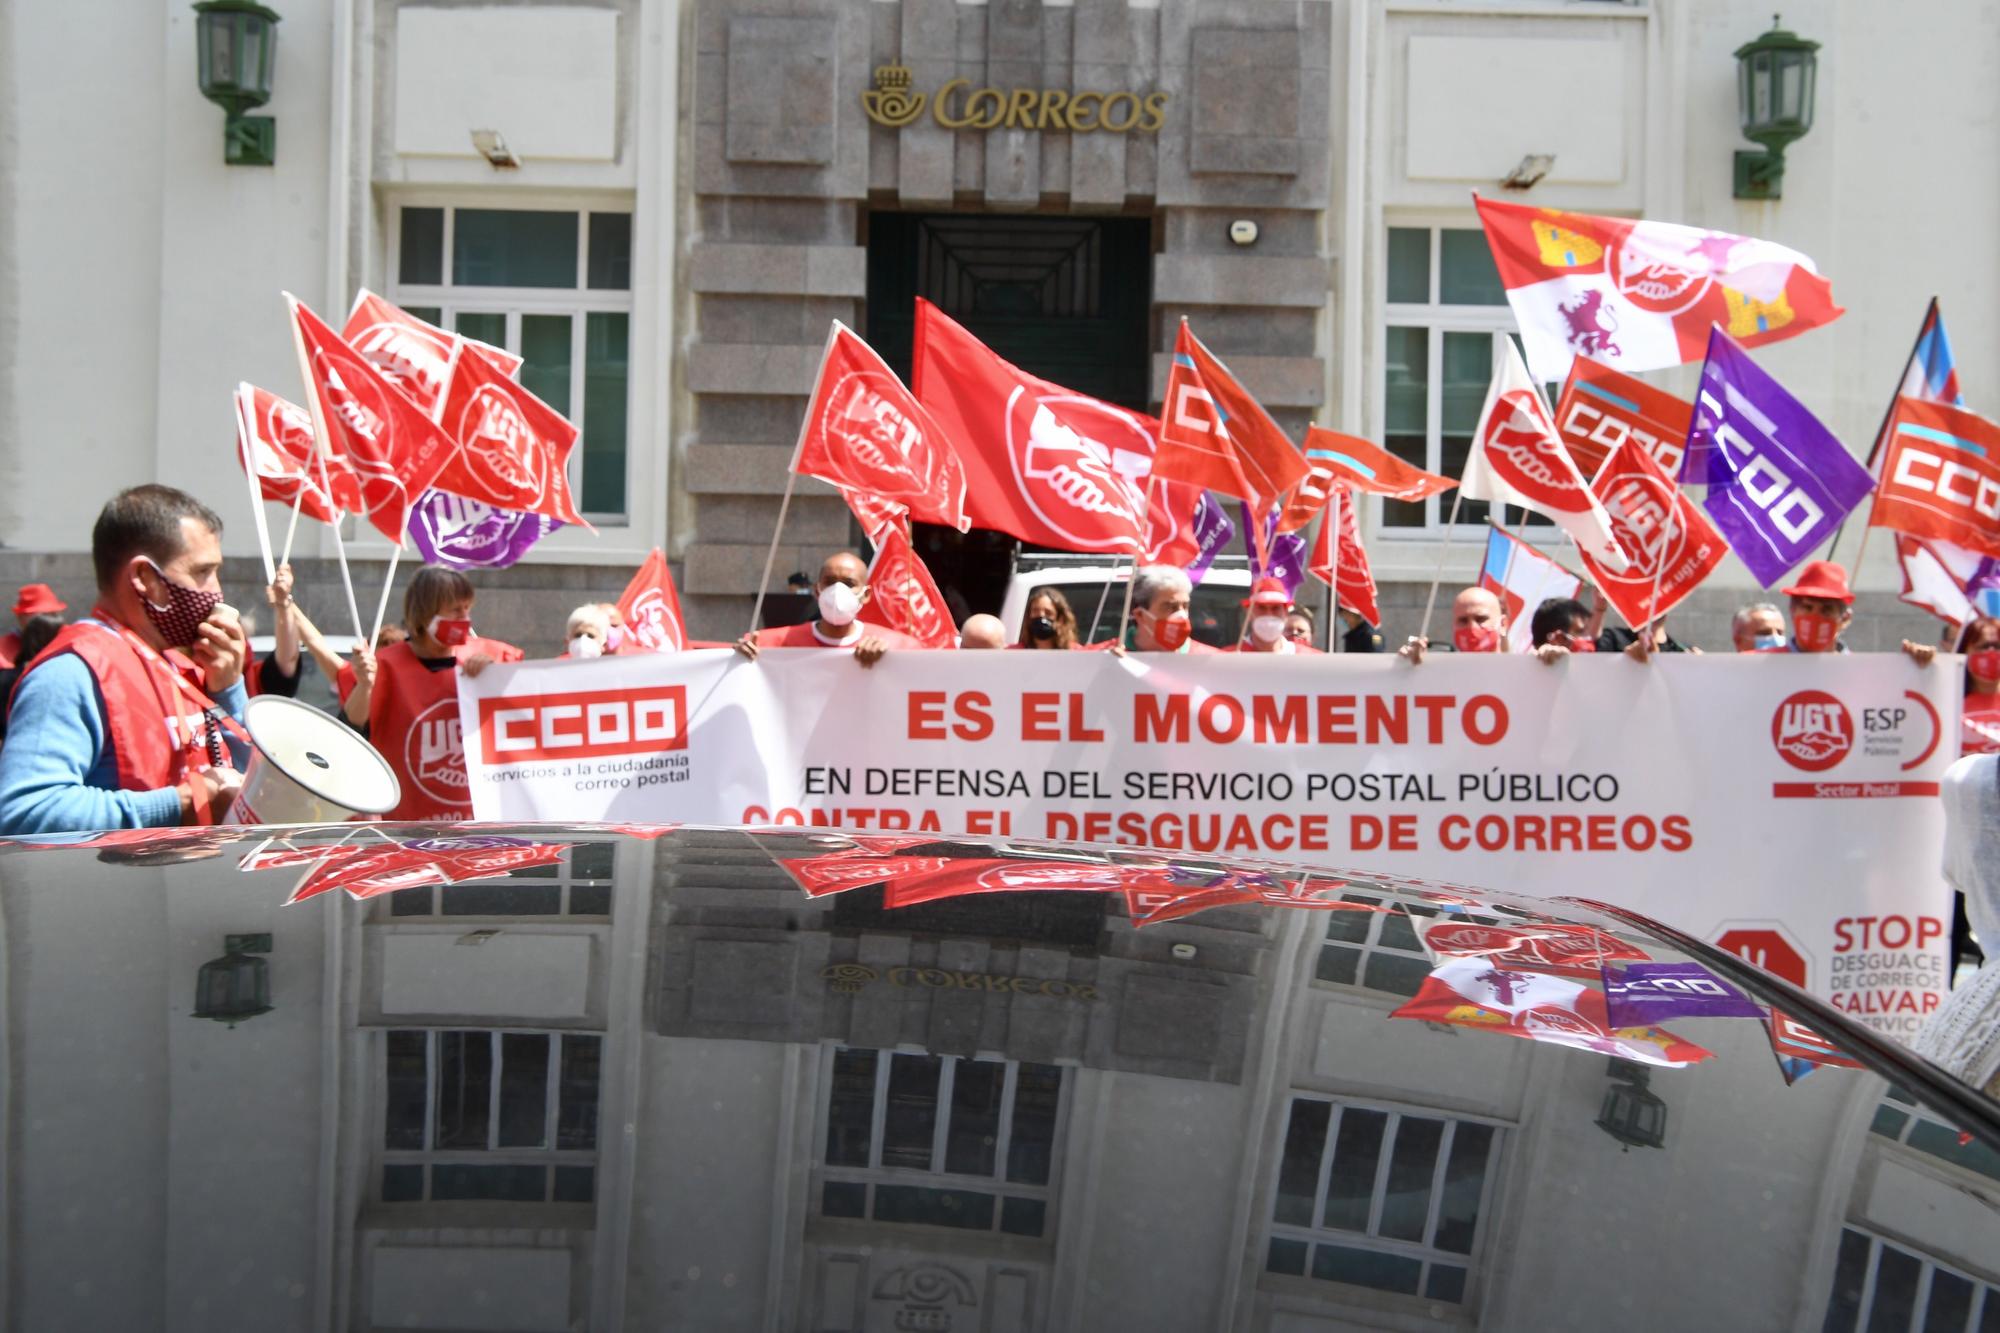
<point>890,102</point>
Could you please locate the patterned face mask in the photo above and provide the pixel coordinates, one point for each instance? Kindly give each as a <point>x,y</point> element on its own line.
<point>184,612</point>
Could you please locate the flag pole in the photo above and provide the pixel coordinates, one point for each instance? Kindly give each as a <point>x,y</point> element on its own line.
<point>1125,617</point>
<point>382,604</point>
<point>256,488</point>
<point>319,456</point>
<point>292,528</point>
<point>1332,515</point>
<point>1875,448</point>
<point>792,476</point>
<point>1444,549</point>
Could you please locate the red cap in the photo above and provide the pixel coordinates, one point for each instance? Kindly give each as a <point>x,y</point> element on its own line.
<point>1822,578</point>
<point>1268,592</point>
<point>38,599</point>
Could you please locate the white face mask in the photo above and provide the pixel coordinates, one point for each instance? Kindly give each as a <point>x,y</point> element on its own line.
<point>1267,629</point>
<point>585,646</point>
<point>839,604</point>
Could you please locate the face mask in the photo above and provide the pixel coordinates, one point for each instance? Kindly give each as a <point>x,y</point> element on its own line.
<point>839,604</point>
<point>1172,632</point>
<point>451,633</point>
<point>1814,631</point>
<point>1267,629</point>
<point>1476,639</point>
<point>185,610</point>
<point>585,646</point>
<point>1984,664</point>
<point>1768,641</point>
<point>614,638</point>
<point>1041,629</point>
<point>1582,644</point>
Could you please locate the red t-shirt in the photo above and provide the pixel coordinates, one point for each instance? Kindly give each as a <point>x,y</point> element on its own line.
<point>1294,649</point>
<point>1193,646</point>
<point>802,636</point>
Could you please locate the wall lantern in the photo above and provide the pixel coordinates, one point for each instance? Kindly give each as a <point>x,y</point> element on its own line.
<point>235,41</point>
<point>1774,93</point>
<point>1631,1113</point>
<point>236,986</point>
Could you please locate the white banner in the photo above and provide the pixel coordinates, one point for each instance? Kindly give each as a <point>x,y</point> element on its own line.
<point>1783,806</point>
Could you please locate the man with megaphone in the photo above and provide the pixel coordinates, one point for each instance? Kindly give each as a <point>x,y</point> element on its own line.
<point>132,717</point>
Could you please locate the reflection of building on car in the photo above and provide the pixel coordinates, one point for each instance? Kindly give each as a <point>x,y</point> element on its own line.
<point>1095,587</point>
<point>1019,1107</point>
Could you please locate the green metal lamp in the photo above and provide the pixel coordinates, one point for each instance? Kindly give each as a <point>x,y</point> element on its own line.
<point>1632,1113</point>
<point>1774,91</point>
<point>235,41</point>
<point>236,986</point>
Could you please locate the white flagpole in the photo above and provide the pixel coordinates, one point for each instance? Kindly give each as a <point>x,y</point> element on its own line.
<point>1118,632</point>
<point>1332,515</point>
<point>244,420</point>
<point>382,605</point>
<point>792,477</point>
<point>319,455</point>
<point>1450,526</point>
<point>292,528</point>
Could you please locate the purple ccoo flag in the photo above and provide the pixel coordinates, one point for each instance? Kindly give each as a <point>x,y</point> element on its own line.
<point>458,533</point>
<point>1779,482</point>
<point>1212,531</point>
<point>1647,993</point>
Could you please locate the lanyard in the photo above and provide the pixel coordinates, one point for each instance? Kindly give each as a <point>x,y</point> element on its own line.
<point>214,719</point>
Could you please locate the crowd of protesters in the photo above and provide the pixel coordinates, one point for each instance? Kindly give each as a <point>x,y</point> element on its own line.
<point>131,715</point>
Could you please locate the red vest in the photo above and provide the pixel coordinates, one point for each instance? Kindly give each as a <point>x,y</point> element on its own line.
<point>10,650</point>
<point>802,636</point>
<point>413,721</point>
<point>1302,649</point>
<point>153,705</point>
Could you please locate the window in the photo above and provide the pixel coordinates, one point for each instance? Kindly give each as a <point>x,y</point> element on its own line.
<point>1880,1285</point>
<point>943,1141</point>
<point>553,287</point>
<point>490,1115</point>
<point>1379,950</point>
<point>579,886</point>
<point>1900,1118</point>
<point>1382,1198</point>
<point>1445,303</point>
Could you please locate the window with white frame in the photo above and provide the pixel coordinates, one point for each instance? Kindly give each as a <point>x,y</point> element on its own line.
<point>941,1140</point>
<point>553,286</point>
<point>578,885</point>
<point>1445,303</point>
<point>1880,1284</point>
<point>490,1115</point>
<point>1900,1119</point>
<point>1379,951</point>
<point>1375,1196</point>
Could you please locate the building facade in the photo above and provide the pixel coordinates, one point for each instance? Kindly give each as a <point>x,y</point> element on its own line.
<point>699,188</point>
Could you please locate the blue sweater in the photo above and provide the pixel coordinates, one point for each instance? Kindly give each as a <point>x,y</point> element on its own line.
<point>58,773</point>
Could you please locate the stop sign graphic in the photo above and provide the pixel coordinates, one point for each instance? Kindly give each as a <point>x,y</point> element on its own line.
<point>1768,945</point>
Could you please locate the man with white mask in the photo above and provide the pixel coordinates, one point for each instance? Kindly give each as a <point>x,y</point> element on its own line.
<point>1264,631</point>
<point>841,589</point>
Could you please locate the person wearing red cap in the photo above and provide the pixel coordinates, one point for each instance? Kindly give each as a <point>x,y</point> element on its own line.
<point>34,599</point>
<point>1269,605</point>
<point>1823,608</point>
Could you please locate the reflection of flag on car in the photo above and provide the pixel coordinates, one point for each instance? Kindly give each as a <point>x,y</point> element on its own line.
<point>1522,578</point>
<point>366,869</point>
<point>864,432</point>
<point>1778,481</point>
<point>651,608</point>
<point>1518,458</point>
<point>1799,1050</point>
<point>1564,948</point>
<point>1485,994</point>
<point>1640,295</point>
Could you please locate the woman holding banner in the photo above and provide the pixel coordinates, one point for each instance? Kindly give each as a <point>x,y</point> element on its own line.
<point>413,707</point>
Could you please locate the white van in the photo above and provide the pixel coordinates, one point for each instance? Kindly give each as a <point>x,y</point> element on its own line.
<point>1095,589</point>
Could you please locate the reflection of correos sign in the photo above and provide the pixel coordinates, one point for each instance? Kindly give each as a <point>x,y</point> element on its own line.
<point>1075,469</point>
<point>958,105</point>
<point>850,978</point>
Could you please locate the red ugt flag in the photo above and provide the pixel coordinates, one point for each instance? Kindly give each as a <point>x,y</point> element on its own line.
<point>276,439</point>
<point>415,356</point>
<point>513,448</point>
<point>652,608</point>
<point>1349,575</point>
<point>381,451</point>
<point>1215,435</point>
<point>1941,476</point>
<point>1662,532</point>
<point>1056,468</point>
<point>901,595</point>
<point>865,433</point>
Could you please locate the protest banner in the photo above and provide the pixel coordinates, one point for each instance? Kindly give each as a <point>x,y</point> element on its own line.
<point>1804,833</point>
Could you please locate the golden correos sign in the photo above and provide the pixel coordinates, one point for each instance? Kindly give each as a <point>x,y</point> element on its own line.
<point>960,106</point>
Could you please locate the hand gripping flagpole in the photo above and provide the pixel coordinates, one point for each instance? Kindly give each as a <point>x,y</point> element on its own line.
<point>319,456</point>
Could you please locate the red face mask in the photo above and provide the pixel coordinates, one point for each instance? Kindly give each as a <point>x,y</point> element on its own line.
<point>1476,639</point>
<point>1172,632</point>
<point>1581,643</point>
<point>1813,632</point>
<point>1984,664</point>
<point>451,633</point>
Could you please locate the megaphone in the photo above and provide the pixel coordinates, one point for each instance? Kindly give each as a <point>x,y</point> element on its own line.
<point>309,768</point>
